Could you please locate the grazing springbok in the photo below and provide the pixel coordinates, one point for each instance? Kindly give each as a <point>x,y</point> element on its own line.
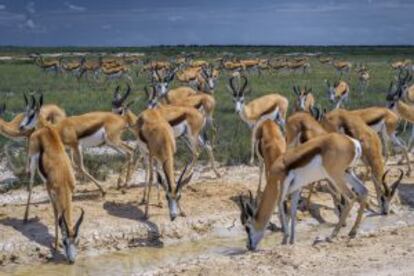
<point>87,130</point>
<point>328,156</point>
<point>338,92</point>
<point>47,155</point>
<point>305,100</point>
<point>340,120</point>
<point>325,60</point>
<point>156,139</point>
<point>271,106</point>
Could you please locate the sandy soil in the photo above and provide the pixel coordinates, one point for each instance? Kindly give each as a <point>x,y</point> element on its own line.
<point>116,223</point>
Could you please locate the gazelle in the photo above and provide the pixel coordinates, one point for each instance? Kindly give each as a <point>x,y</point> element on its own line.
<point>325,60</point>
<point>325,157</point>
<point>363,77</point>
<point>116,72</point>
<point>385,123</point>
<point>47,154</point>
<point>337,93</point>
<point>342,66</point>
<point>298,66</point>
<point>271,106</point>
<point>50,112</point>
<point>269,146</point>
<point>87,130</point>
<point>156,139</point>
<point>340,120</point>
<point>404,111</point>
<point>50,65</point>
<point>305,100</point>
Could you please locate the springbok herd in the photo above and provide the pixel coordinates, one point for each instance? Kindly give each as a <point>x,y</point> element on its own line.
<point>295,150</point>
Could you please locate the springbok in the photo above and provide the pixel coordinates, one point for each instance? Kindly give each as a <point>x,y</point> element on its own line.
<point>50,65</point>
<point>47,155</point>
<point>403,110</point>
<point>87,130</point>
<point>271,106</point>
<point>305,100</point>
<point>325,157</point>
<point>342,67</point>
<point>340,120</point>
<point>156,139</point>
<point>338,93</point>
<point>363,77</point>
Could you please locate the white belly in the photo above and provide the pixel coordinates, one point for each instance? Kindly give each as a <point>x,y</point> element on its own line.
<point>305,175</point>
<point>96,139</point>
<point>180,129</point>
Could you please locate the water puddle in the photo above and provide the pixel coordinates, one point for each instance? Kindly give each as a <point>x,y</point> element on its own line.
<point>139,260</point>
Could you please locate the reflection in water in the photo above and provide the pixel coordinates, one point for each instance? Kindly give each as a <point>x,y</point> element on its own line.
<point>147,258</point>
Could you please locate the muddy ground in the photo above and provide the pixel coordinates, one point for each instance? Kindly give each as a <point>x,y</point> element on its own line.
<point>116,224</point>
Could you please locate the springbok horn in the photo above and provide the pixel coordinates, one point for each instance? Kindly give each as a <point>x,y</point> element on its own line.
<point>386,189</point>
<point>396,183</point>
<point>126,93</point>
<point>244,84</point>
<point>26,101</point>
<point>79,222</point>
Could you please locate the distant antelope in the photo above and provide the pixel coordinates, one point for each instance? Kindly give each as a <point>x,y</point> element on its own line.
<point>338,92</point>
<point>325,60</point>
<point>47,154</point>
<point>342,66</point>
<point>298,66</point>
<point>305,100</point>
<point>50,65</point>
<point>271,106</point>
<point>325,157</point>
<point>117,72</point>
<point>401,64</point>
<point>363,77</point>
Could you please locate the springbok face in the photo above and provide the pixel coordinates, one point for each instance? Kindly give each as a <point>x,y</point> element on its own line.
<point>331,91</point>
<point>70,238</point>
<point>162,83</point>
<point>248,211</point>
<point>302,95</point>
<point>238,93</point>
<point>404,80</point>
<point>118,101</point>
<point>173,196</point>
<point>209,77</point>
<point>31,113</point>
<point>389,192</point>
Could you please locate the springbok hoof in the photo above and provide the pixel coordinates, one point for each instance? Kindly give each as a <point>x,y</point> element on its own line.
<point>352,234</point>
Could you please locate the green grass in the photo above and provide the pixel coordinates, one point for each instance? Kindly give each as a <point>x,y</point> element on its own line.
<point>233,135</point>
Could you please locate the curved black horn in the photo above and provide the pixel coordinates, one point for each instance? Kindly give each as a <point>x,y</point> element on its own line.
<point>244,84</point>
<point>231,82</point>
<point>33,101</point>
<point>63,224</point>
<point>295,90</point>
<point>126,93</point>
<point>79,222</point>
<point>397,182</point>
<point>386,189</point>
<point>26,101</point>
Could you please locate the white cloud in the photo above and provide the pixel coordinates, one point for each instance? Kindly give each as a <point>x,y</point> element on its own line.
<point>75,7</point>
<point>30,24</point>
<point>106,27</point>
<point>2,7</point>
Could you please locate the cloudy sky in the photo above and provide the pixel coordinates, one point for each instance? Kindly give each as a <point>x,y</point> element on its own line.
<point>154,22</point>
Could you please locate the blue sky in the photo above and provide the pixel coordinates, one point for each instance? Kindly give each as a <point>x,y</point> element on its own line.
<point>171,22</point>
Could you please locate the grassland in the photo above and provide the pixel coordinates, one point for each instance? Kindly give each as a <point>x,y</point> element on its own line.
<point>232,145</point>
